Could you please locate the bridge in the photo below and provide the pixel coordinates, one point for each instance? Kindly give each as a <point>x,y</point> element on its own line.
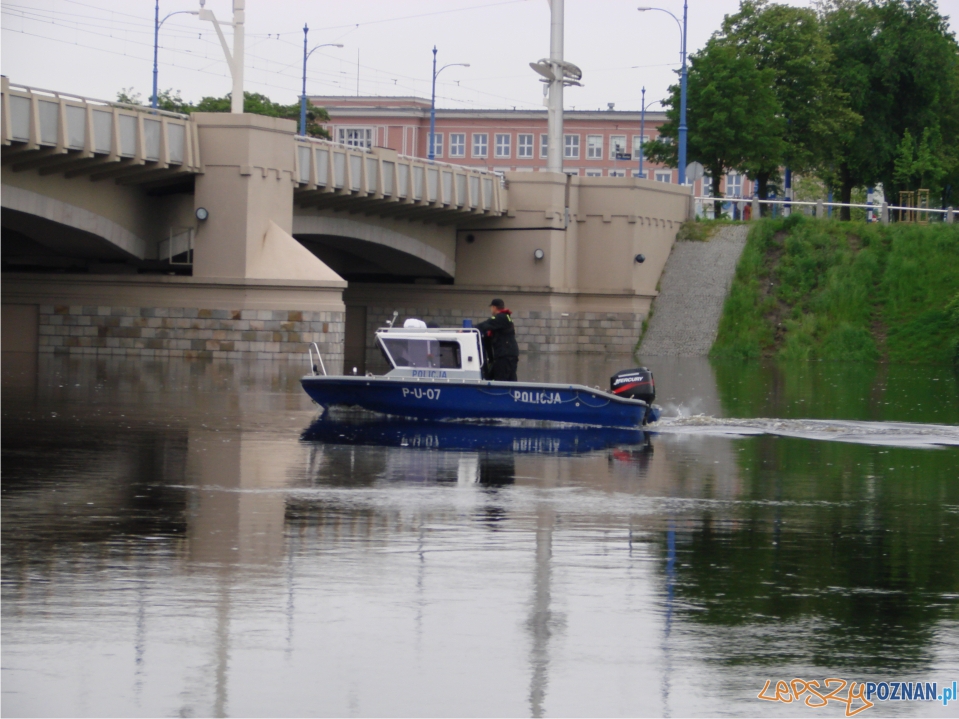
<point>133,231</point>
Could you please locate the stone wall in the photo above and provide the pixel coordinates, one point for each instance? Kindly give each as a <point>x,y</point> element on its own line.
<point>191,332</point>
<point>536,331</point>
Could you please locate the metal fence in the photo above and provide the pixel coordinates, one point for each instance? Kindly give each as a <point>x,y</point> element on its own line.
<point>882,212</point>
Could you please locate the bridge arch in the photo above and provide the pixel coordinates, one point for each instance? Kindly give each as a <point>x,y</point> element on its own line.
<point>363,248</point>
<point>66,228</point>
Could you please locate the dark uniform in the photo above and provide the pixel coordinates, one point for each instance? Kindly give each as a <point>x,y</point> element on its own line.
<point>500,334</point>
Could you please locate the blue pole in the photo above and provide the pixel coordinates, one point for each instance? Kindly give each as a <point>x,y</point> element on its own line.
<point>433,107</point>
<point>682,108</point>
<point>642,133</point>
<point>303,96</point>
<point>789,187</point>
<point>156,43</point>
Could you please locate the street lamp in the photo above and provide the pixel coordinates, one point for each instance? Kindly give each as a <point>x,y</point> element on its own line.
<point>306,56</point>
<point>157,22</point>
<point>682,86</point>
<point>642,132</point>
<point>433,100</point>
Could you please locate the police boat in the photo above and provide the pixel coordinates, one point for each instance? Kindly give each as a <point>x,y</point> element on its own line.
<point>436,374</point>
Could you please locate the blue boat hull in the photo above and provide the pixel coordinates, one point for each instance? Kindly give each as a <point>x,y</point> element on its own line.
<point>459,399</point>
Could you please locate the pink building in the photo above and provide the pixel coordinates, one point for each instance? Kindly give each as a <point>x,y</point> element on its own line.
<point>595,143</point>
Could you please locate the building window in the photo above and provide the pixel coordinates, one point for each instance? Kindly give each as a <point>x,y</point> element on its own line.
<point>641,175</point>
<point>437,144</point>
<point>480,144</point>
<point>524,146</point>
<point>707,185</point>
<point>734,185</point>
<point>593,172</point>
<point>543,146</point>
<point>636,144</point>
<point>594,147</point>
<point>617,148</point>
<point>571,147</point>
<point>355,136</point>
<point>664,175</point>
<point>457,144</point>
<point>572,172</point>
<point>502,145</point>
<point>617,173</point>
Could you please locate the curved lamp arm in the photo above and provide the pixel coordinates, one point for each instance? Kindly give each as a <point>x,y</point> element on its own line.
<point>328,44</point>
<point>306,56</point>
<point>432,137</point>
<point>678,21</point>
<point>156,44</point>
<point>452,64</point>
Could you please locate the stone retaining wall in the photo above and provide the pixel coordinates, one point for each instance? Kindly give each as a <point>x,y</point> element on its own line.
<point>191,332</point>
<point>536,331</point>
<point>693,289</point>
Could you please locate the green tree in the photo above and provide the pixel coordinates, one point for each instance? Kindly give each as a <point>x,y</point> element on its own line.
<point>899,64</point>
<point>734,118</point>
<point>791,42</point>
<point>904,166</point>
<point>168,100</point>
<point>930,166</point>
<point>921,164</point>
<point>253,102</point>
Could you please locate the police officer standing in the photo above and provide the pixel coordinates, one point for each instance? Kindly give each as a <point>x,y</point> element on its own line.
<point>500,333</point>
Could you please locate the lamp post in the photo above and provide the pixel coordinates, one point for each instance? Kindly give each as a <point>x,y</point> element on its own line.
<point>157,23</point>
<point>306,56</point>
<point>432,152</point>
<point>642,132</point>
<point>682,88</point>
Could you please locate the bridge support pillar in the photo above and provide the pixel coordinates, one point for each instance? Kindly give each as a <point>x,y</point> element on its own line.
<point>247,190</point>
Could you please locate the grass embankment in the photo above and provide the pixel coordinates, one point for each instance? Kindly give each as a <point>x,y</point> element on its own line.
<point>809,289</point>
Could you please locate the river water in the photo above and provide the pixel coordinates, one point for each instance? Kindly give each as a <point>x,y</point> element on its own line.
<point>186,539</point>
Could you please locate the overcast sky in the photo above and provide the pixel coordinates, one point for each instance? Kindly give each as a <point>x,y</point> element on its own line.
<point>96,47</point>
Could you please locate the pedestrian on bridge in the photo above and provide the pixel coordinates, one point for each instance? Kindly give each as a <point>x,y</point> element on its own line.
<point>499,335</point>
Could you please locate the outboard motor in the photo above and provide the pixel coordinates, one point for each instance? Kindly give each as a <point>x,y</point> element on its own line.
<point>634,384</point>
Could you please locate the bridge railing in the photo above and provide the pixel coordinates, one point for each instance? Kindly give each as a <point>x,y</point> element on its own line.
<point>337,171</point>
<point>66,132</point>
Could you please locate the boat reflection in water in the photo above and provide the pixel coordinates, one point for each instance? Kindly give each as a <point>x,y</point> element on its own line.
<point>483,453</point>
<point>502,437</point>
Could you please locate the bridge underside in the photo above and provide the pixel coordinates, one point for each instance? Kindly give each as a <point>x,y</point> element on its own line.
<point>36,243</point>
<point>364,261</point>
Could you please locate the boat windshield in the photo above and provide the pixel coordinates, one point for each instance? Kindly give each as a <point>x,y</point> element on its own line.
<point>422,353</point>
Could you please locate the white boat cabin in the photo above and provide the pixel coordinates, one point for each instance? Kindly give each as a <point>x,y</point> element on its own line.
<point>443,353</point>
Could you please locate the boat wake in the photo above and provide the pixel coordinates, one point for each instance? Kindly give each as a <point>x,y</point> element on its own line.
<point>896,434</point>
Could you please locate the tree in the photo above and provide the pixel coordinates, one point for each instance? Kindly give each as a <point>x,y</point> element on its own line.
<point>899,65</point>
<point>253,102</point>
<point>920,164</point>
<point>733,116</point>
<point>791,42</point>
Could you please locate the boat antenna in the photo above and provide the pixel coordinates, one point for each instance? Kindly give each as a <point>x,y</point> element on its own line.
<point>395,315</point>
